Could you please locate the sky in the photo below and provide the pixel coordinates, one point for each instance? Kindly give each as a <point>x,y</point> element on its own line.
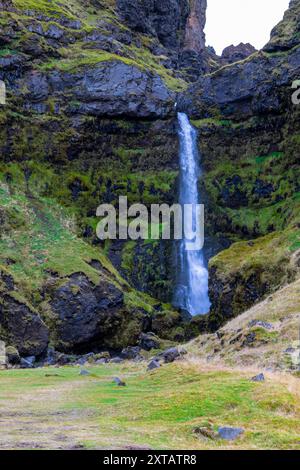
<point>234,21</point>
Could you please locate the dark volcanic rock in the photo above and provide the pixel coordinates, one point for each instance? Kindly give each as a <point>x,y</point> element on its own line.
<point>235,53</point>
<point>118,89</point>
<point>131,353</point>
<point>37,85</point>
<point>116,360</point>
<point>286,34</point>
<point>164,20</point>
<point>230,434</point>
<point>245,89</point>
<point>12,355</point>
<point>153,365</point>
<point>119,382</point>
<point>27,362</point>
<point>170,355</point>
<point>149,341</point>
<point>81,311</point>
<point>258,378</point>
<point>23,328</point>
<point>261,324</point>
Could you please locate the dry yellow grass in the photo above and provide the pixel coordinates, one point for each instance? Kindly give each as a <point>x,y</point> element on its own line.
<point>243,342</point>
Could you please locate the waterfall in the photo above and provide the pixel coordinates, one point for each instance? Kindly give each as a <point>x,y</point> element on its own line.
<point>191,293</point>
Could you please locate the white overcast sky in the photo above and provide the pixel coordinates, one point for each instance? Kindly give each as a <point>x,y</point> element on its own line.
<point>234,21</point>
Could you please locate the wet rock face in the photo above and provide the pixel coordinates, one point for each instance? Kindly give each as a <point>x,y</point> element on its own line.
<point>23,328</point>
<point>110,89</point>
<point>235,53</point>
<point>82,311</point>
<point>161,19</point>
<point>244,90</point>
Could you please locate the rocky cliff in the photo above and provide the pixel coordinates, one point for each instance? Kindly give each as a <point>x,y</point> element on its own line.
<point>90,115</point>
<point>249,139</point>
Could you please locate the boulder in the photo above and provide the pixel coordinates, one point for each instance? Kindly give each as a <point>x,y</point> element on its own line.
<point>149,341</point>
<point>116,360</point>
<point>170,355</point>
<point>206,432</point>
<point>23,328</point>
<point>81,311</point>
<point>261,324</point>
<point>103,355</point>
<point>119,382</point>
<point>101,361</point>
<point>230,434</point>
<point>153,365</point>
<point>27,362</point>
<point>131,353</point>
<point>12,356</point>
<point>235,53</point>
<point>258,378</point>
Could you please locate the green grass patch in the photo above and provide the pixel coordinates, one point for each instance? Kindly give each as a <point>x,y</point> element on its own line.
<point>159,409</point>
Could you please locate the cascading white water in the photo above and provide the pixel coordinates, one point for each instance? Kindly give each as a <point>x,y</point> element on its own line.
<point>191,292</point>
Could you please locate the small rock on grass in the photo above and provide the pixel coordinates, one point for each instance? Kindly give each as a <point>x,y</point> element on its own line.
<point>27,362</point>
<point>119,382</point>
<point>153,365</point>
<point>116,360</point>
<point>206,432</point>
<point>261,324</point>
<point>230,434</point>
<point>258,378</point>
<point>101,361</point>
<point>84,372</point>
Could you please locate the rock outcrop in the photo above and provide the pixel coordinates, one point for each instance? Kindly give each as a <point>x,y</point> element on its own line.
<point>236,53</point>
<point>164,20</point>
<point>194,30</point>
<point>249,129</point>
<point>22,327</point>
<point>285,35</point>
<point>90,116</point>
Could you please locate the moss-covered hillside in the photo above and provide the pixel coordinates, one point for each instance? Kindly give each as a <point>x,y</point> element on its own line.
<point>58,290</point>
<point>93,88</point>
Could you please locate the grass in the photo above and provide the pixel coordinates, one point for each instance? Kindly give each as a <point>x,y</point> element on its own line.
<point>158,409</point>
<point>271,250</point>
<point>44,242</point>
<point>259,212</point>
<point>38,238</point>
<point>270,347</point>
<point>76,56</point>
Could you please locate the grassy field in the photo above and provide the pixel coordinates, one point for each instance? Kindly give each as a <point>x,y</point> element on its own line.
<point>56,408</point>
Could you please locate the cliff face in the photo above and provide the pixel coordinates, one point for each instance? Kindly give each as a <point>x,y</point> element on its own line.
<point>194,30</point>
<point>90,116</point>
<point>249,139</point>
<point>163,20</point>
